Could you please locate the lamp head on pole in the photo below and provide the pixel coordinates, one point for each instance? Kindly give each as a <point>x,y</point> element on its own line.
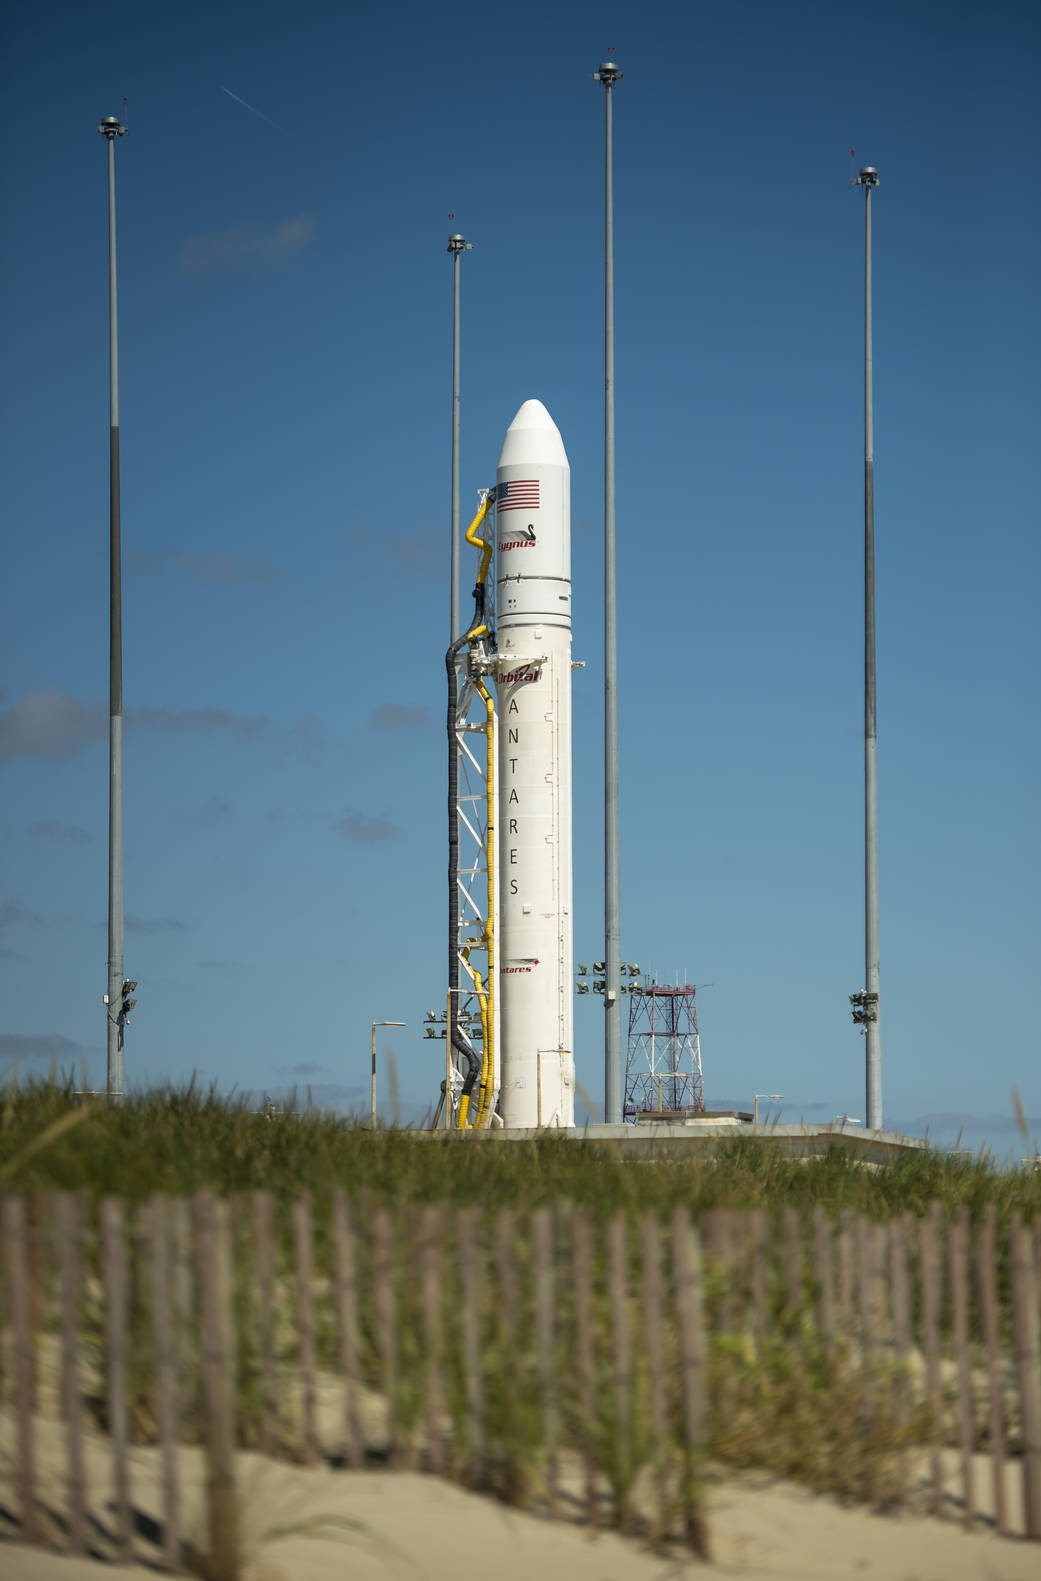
<point>868,177</point>
<point>111,127</point>
<point>607,73</point>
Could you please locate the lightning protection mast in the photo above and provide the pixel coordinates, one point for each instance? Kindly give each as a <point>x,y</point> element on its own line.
<point>866,1003</point>
<point>117,1003</point>
<point>609,74</point>
<point>457,245</point>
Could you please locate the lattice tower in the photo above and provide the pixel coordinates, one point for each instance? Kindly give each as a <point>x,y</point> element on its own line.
<point>663,1067</point>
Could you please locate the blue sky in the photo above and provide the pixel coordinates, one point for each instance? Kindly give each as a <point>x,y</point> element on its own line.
<point>285,367</point>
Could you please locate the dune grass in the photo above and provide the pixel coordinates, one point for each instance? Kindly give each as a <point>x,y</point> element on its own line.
<point>181,1140</point>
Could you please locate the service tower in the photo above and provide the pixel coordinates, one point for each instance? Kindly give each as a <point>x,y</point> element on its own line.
<point>533,507</point>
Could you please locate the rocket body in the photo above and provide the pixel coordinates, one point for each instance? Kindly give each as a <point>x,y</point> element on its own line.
<point>533,681</point>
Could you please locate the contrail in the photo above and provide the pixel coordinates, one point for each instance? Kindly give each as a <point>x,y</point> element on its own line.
<point>250,107</point>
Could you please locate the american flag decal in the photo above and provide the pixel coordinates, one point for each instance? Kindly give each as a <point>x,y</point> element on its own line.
<point>520,495</point>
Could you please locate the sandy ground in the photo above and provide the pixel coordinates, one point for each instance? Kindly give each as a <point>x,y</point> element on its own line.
<point>327,1525</point>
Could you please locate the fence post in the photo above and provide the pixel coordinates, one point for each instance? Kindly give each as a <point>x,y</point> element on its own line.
<point>114,1255</point>
<point>959,1277</point>
<point>29,1529</point>
<point>899,1246</point>
<point>618,1290</point>
<point>345,1267</point>
<point>385,1301</point>
<point>930,1270</point>
<point>432,1258</point>
<point>185,1327</point>
<point>690,1335</point>
<point>823,1275</point>
<point>222,1562</point>
<point>543,1247</point>
<point>166,1379</point>
<point>582,1265</point>
<point>654,1348</point>
<point>303,1242</point>
<point>988,1294</point>
<point>468,1230</point>
<point>69,1234</point>
<point>1028,1366</point>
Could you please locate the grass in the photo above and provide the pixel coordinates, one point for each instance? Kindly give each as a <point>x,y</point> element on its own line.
<point>780,1400</point>
<point>181,1140</point>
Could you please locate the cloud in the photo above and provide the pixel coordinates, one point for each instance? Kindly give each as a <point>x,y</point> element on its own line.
<point>34,1045</point>
<point>12,912</point>
<point>223,570</point>
<point>246,248</point>
<point>156,924</point>
<point>50,725</point>
<point>360,829</point>
<point>48,829</point>
<point>975,1124</point>
<point>399,716</point>
<point>307,1068</point>
<point>206,721</point>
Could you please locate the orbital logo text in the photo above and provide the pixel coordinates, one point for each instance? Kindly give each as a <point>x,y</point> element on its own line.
<point>526,672</point>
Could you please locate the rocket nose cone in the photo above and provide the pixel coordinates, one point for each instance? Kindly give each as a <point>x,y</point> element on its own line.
<point>533,436</point>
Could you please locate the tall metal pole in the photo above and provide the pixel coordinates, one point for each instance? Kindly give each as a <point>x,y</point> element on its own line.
<point>609,74</point>
<point>457,245</point>
<point>868,179</point>
<point>110,129</point>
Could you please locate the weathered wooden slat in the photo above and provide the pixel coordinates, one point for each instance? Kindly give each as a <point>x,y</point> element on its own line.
<point>543,1248</point>
<point>621,1354</point>
<point>211,1217</point>
<point>15,1247</point>
<point>793,1268</point>
<point>692,1350</point>
<point>166,1379</point>
<point>585,1353</point>
<point>900,1277</point>
<point>183,1301</point>
<point>262,1210</point>
<point>1028,1368</point>
<point>114,1263</point>
<point>432,1264</point>
<point>385,1300</point>
<point>346,1277</point>
<point>958,1243</point>
<point>471,1264</point>
<point>929,1257</point>
<point>303,1246</point>
<point>760,1274</point>
<point>986,1276</point>
<point>66,1215</point>
<point>822,1273</point>
<point>845,1250</point>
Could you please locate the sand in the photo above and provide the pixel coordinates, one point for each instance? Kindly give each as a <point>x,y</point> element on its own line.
<point>326,1525</point>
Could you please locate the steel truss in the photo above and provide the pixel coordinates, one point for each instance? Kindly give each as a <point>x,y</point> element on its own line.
<point>471,811</point>
<point>663,1067</point>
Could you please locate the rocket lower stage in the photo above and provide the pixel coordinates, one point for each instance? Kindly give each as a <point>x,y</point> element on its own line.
<point>533,681</point>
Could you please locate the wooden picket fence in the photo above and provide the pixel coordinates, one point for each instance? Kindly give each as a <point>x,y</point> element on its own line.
<point>582,1366</point>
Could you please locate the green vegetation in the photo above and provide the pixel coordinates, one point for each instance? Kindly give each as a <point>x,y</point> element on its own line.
<point>179,1141</point>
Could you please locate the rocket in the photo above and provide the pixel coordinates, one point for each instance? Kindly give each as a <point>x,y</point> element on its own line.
<point>533,685</point>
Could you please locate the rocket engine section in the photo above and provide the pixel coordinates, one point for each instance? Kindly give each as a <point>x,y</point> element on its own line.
<point>533,679</point>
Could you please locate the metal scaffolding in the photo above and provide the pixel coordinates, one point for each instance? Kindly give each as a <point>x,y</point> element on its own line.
<point>663,1066</point>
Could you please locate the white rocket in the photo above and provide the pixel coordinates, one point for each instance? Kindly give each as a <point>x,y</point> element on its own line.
<point>533,677</point>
